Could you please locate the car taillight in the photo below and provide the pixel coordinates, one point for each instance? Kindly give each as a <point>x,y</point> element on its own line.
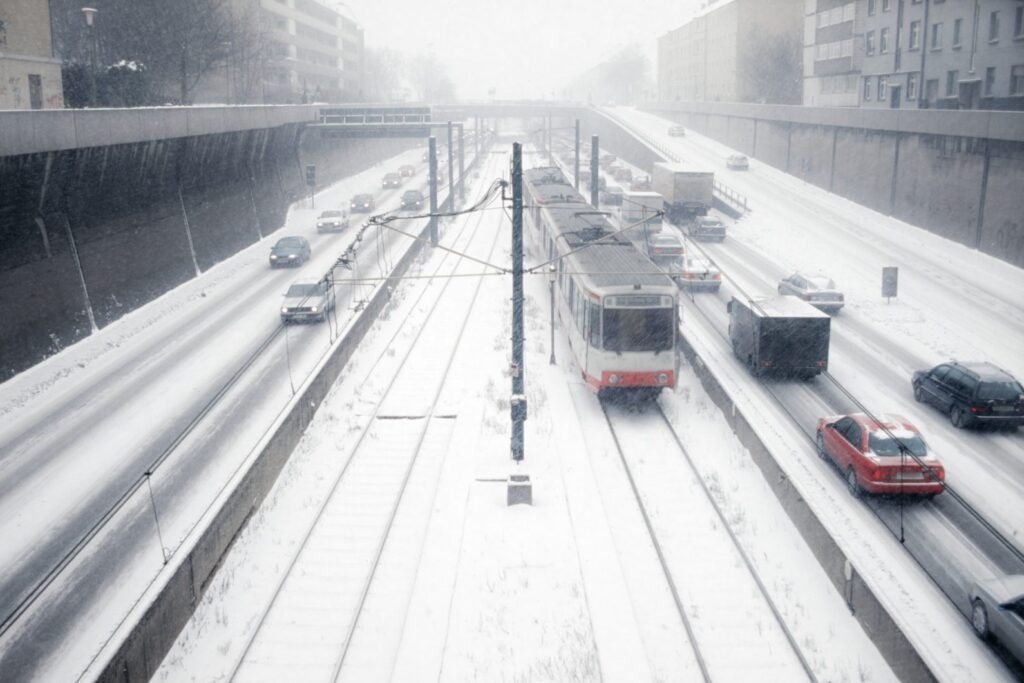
<point>766,364</point>
<point>716,276</point>
<point>820,363</point>
<point>876,474</point>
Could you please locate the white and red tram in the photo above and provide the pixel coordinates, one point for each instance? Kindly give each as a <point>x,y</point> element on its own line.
<point>618,309</point>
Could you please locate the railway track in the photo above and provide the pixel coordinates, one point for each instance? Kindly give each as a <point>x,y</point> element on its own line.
<point>732,622</point>
<point>313,611</point>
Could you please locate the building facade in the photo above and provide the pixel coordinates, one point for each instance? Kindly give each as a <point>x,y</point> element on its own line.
<point>734,51</point>
<point>30,76</point>
<point>952,54</point>
<point>315,52</point>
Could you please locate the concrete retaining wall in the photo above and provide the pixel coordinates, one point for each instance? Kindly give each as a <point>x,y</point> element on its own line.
<point>128,212</point>
<point>950,172</point>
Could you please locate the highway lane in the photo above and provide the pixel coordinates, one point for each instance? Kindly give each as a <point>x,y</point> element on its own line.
<point>66,460</point>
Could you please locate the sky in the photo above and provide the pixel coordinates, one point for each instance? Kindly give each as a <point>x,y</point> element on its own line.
<point>523,49</point>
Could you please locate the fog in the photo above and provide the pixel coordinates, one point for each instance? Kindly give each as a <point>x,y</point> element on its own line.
<point>527,49</point>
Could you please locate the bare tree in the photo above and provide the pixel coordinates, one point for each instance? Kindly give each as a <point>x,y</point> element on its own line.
<point>430,79</point>
<point>773,68</point>
<point>382,73</point>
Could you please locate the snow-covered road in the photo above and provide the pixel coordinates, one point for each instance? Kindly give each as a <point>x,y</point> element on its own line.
<point>80,428</point>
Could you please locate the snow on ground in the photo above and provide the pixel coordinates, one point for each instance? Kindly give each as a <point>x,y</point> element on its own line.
<point>566,589</point>
<point>90,404</point>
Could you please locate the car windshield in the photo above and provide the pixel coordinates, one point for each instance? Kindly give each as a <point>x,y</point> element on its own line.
<point>289,243</point>
<point>331,214</point>
<point>884,445</point>
<point>712,222</point>
<point>697,264</point>
<point>665,241</point>
<point>999,391</point>
<point>361,198</point>
<point>302,289</point>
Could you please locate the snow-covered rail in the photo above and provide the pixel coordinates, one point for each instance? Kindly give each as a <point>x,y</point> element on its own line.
<point>313,611</point>
<point>728,614</point>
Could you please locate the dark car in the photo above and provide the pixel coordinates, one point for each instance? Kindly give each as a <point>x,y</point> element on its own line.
<point>290,251</point>
<point>392,180</point>
<point>412,199</point>
<point>972,394</point>
<point>362,202</point>
<point>407,171</point>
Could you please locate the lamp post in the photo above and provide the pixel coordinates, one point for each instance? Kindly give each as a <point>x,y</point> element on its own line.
<point>551,286</point>
<point>90,14</point>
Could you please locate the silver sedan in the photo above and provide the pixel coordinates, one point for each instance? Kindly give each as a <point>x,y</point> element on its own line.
<point>997,611</point>
<point>817,290</point>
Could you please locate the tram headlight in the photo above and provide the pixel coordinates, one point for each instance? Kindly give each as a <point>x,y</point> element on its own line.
<point>613,379</point>
<point>662,378</point>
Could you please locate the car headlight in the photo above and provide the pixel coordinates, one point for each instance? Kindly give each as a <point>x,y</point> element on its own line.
<point>291,255</point>
<point>314,309</point>
<point>284,309</point>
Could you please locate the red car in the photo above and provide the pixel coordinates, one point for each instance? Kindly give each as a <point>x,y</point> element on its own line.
<point>868,452</point>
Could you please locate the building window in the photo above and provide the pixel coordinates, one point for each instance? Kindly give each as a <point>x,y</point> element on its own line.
<point>990,80</point>
<point>834,50</point>
<point>1017,79</point>
<point>1018,23</point>
<point>849,11</point>
<point>881,88</point>
<point>846,48</point>
<point>957,25</point>
<point>869,43</point>
<point>823,20</point>
<point>915,35</point>
<point>883,41</point>
<point>867,88</point>
<point>822,51</point>
<point>931,89</point>
<point>871,8</point>
<point>835,16</point>
<point>993,27</point>
<point>951,78</point>
<point>937,36</point>
<point>886,5</point>
<point>912,87</point>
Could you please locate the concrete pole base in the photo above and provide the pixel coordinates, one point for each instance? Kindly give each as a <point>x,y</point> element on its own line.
<point>520,490</point>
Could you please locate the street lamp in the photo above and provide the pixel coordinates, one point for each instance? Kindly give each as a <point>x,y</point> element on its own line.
<point>90,15</point>
<point>551,286</point>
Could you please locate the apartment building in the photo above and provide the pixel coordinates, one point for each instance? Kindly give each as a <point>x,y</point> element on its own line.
<point>831,64</point>
<point>316,51</point>
<point>734,51</point>
<point>30,76</point>
<point>959,54</point>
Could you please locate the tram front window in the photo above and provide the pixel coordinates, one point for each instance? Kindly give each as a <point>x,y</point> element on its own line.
<point>638,329</point>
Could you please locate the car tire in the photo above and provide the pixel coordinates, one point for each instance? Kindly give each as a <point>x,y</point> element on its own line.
<point>852,484</point>
<point>979,619</point>
<point>956,416</point>
<point>819,441</point>
<point>919,393</point>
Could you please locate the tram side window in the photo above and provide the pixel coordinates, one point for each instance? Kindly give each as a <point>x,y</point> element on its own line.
<point>595,325</point>
<point>581,318</point>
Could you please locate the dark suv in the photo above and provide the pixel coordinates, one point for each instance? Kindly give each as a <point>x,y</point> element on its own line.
<point>972,394</point>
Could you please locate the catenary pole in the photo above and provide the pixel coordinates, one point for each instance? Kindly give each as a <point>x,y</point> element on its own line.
<point>595,153</point>
<point>432,161</point>
<point>577,167</point>
<point>451,170</point>
<point>518,402</point>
